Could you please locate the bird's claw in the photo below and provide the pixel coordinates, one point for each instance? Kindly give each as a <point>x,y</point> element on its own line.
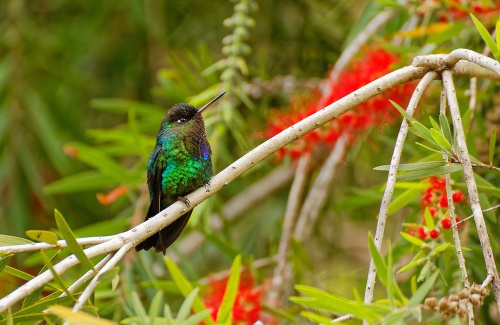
<point>207,185</point>
<point>184,200</point>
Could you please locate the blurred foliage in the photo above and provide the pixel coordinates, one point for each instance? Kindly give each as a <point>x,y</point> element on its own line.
<point>84,86</point>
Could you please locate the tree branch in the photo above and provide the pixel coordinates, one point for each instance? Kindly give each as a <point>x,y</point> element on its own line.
<point>471,182</point>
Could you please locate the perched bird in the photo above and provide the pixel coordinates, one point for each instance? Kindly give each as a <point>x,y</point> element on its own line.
<point>179,164</point>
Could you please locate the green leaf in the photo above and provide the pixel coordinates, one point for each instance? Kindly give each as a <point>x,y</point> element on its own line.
<point>395,318</point>
<point>224,315</point>
<point>404,199</point>
<point>445,127</point>
<point>119,105</point>
<point>467,118</point>
<point>86,181</point>
<point>109,275</point>
<point>139,308</point>
<point>412,239</point>
<point>422,292</point>
<point>433,123</point>
<point>408,266</point>
<point>154,308</point>
<point>378,260</point>
<point>414,166</point>
<point>185,287</point>
<point>429,220</point>
<point>493,138</point>
<point>73,245</point>
<point>420,130</point>
<point>486,36</point>
<point>197,318</point>
<point>316,318</point>
<point>56,276</point>
<point>429,148</point>
<point>4,260</point>
<point>43,236</point>
<point>6,240</point>
<point>441,140</point>
<point>186,306</point>
<point>448,169</point>
<point>441,248</point>
<point>403,112</point>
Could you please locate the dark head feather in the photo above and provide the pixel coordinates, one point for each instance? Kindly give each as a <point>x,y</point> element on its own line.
<point>180,111</point>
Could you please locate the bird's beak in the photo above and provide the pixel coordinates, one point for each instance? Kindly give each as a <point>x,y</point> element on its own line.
<point>210,103</point>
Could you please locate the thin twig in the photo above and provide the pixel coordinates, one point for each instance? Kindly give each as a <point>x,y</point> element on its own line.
<point>391,180</point>
<point>456,236</point>
<point>87,276</point>
<point>35,247</point>
<point>486,281</point>
<point>292,210</point>
<point>471,182</point>
<point>485,210</point>
<point>110,264</point>
<point>342,319</point>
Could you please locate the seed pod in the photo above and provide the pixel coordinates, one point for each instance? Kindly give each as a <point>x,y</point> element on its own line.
<point>453,297</point>
<point>485,292</point>
<point>443,304</point>
<point>475,299</point>
<point>463,294</point>
<point>453,307</point>
<point>430,302</point>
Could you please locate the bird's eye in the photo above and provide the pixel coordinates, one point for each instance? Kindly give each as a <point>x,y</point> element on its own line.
<point>181,120</point>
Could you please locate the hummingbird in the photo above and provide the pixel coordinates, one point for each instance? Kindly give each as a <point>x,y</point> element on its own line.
<point>180,163</point>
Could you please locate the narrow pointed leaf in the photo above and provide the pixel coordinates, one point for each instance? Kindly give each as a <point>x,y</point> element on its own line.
<point>448,169</point>
<point>408,266</point>
<point>154,308</point>
<point>486,36</point>
<point>420,130</point>
<point>109,275</point>
<point>6,240</point>
<point>186,287</point>
<point>441,140</point>
<point>378,260</point>
<point>412,239</point>
<point>434,123</point>
<point>493,139</point>
<point>429,220</point>
<point>429,148</point>
<point>441,248</point>
<point>186,306</point>
<point>224,315</point>
<point>414,166</point>
<point>56,276</point>
<point>77,318</point>
<point>403,112</point>
<point>73,245</point>
<point>445,127</point>
<point>423,290</point>
<point>43,236</point>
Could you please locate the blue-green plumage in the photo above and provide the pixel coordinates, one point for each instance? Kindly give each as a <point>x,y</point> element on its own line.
<point>179,164</point>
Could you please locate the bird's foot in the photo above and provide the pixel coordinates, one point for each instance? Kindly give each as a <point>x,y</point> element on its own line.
<point>184,200</point>
<point>207,185</point>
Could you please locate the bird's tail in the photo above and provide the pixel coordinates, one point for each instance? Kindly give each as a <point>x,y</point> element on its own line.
<point>166,236</point>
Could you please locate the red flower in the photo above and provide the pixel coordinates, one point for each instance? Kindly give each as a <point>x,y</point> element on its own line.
<point>248,305</point>
<point>446,223</point>
<point>432,211</point>
<point>434,234</point>
<point>443,201</point>
<point>375,112</point>
<point>421,233</point>
<point>458,196</point>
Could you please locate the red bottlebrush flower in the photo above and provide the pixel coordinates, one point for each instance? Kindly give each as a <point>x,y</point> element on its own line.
<point>458,196</point>
<point>438,183</point>
<point>432,211</point>
<point>446,223</point>
<point>248,304</point>
<point>115,194</point>
<point>434,234</point>
<point>422,233</point>
<point>375,112</point>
